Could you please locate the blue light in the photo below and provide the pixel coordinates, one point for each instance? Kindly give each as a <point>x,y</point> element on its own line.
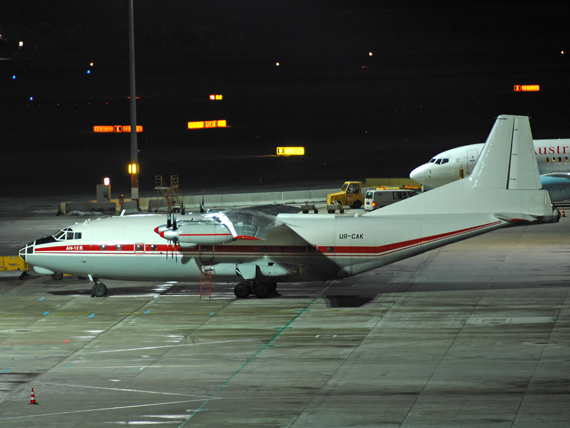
<point>14,77</point>
<point>31,98</point>
<point>88,71</point>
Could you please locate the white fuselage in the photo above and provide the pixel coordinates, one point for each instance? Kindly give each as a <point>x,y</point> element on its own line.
<point>299,247</point>
<point>552,156</point>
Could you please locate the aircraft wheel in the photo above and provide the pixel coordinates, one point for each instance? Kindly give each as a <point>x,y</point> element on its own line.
<point>241,290</point>
<point>57,276</point>
<point>262,290</point>
<point>99,290</point>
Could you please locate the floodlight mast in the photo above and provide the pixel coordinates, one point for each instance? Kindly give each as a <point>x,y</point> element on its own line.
<point>133,106</point>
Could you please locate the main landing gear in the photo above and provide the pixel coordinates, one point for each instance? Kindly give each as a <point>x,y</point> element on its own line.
<point>260,289</point>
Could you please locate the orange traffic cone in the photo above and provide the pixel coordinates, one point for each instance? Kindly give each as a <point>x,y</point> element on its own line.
<point>563,213</point>
<point>33,398</point>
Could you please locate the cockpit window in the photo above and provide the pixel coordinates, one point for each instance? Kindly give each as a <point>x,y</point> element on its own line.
<point>432,160</point>
<point>445,160</point>
<point>438,161</point>
<point>66,233</point>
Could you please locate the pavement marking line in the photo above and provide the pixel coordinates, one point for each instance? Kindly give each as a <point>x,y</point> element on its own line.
<point>95,410</point>
<point>107,388</point>
<point>168,346</point>
<point>268,344</point>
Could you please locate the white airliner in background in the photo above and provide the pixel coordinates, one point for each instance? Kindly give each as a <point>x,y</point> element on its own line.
<point>258,250</point>
<point>553,159</point>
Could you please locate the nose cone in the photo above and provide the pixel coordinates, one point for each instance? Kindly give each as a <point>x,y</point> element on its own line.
<point>419,174</point>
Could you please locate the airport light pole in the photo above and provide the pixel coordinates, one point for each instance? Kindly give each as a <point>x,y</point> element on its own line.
<point>133,106</point>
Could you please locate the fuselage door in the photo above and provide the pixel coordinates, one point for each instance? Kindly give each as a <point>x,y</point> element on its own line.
<point>206,253</point>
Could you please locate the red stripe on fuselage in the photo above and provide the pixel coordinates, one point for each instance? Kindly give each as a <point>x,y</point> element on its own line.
<point>350,251</point>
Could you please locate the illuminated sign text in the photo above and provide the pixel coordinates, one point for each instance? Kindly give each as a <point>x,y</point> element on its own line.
<point>207,124</point>
<point>527,88</point>
<point>288,151</point>
<point>116,128</point>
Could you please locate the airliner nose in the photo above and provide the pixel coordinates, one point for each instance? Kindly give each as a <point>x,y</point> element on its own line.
<point>419,174</point>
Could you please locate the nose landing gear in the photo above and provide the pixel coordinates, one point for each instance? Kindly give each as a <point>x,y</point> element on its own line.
<point>99,289</point>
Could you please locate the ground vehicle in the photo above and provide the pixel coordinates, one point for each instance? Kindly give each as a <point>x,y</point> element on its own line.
<point>378,198</point>
<point>350,194</point>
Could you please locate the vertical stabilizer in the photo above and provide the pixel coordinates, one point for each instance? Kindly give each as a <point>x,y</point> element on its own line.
<point>508,160</point>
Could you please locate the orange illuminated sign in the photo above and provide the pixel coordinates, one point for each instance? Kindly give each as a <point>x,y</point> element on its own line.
<point>208,124</point>
<point>289,151</point>
<point>116,128</point>
<point>527,88</point>
<point>217,97</point>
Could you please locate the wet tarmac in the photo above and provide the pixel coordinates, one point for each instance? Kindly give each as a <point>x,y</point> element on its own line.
<point>473,334</point>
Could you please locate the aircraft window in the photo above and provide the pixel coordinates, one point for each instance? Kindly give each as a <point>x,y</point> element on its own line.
<point>119,247</point>
<point>69,235</point>
<point>432,160</point>
<point>559,159</point>
<point>264,249</point>
<point>546,160</point>
<point>330,249</point>
<point>139,247</point>
<point>103,247</point>
<point>63,233</point>
<point>77,235</point>
<point>438,161</point>
<point>444,161</point>
<point>565,158</point>
<point>153,247</point>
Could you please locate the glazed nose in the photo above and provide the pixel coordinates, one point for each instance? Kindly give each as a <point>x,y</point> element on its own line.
<point>28,249</point>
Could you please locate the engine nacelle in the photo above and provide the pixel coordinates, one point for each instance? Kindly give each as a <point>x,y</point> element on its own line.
<point>199,233</point>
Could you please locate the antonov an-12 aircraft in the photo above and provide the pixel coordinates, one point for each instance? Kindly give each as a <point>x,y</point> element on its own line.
<point>258,251</point>
<point>552,158</point>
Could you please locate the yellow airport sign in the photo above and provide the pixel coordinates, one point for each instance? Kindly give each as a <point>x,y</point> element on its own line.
<point>290,151</point>
<point>527,88</point>
<point>208,124</point>
<point>115,128</point>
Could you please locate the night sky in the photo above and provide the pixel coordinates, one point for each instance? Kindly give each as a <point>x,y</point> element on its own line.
<point>437,78</point>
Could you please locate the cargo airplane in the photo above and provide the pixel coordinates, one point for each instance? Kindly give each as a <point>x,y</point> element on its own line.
<point>552,158</point>
<point>257,249</point>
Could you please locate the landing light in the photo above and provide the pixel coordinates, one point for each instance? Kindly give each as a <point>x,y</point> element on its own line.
<point>133,168</point>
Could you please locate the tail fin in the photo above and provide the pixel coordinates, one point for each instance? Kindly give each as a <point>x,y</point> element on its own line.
<point>508,160</point>
<point>505,181</point>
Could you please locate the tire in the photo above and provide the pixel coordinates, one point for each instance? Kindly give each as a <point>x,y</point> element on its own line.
<point>99,290</point>
<point>357,204</point>
<point>262,290</point>
<point>57,276</point>
<point>241,290</point>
